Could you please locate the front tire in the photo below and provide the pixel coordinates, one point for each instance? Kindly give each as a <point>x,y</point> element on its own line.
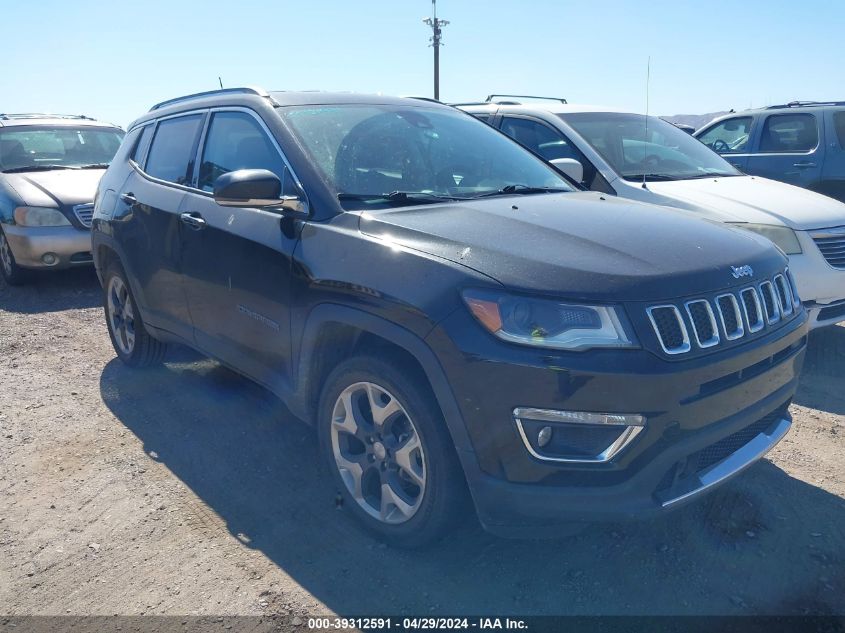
<point>130,339</point>
<point>390,453</point>
<point>12,273</point>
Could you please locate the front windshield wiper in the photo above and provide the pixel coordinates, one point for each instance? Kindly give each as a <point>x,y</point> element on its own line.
<point>94,166</point>
<point>509,190</point>
<point>710,174</point>
<point>650,177</point>
<point>399,197</point>
<point>15,170</point>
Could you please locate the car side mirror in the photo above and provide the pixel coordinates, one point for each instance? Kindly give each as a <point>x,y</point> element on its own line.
<point>254,188</point>
<point>571,167</point>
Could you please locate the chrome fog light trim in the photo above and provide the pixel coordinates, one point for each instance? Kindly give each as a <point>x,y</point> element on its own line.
<point>633,423</point>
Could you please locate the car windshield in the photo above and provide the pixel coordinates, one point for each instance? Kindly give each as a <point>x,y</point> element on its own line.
<point>388,154</point>
<point>656,151</point>
<point>40,147</point>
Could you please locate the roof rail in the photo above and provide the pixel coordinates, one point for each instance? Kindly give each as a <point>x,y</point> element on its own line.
<point>491,97</point>
<point>471,103</point>
<point>42,115</point>
<point>429,99</point>
<point>250,90</point>
<point>799,104</point>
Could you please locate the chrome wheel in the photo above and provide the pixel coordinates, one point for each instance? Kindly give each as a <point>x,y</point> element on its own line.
<point>5,255</point>
<point>121,315</point>
<point>378,452</point>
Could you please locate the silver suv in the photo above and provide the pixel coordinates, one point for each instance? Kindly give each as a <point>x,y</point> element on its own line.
<point>50,166</point>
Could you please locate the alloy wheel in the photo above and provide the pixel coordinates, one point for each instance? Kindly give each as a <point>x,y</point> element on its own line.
<point>121,315</point>
<point>378,452</point>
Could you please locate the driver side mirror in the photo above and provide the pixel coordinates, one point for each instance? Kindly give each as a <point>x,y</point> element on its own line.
<point>255,188</point>
<point>571,167</point>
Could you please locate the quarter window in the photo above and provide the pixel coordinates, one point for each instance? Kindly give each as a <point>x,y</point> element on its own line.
<point>789,133</point>
<point>142,144</point>
<point>172,151</point>
<point>235,141</point>
<point>728,137</point>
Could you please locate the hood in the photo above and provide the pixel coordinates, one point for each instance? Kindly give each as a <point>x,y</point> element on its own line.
<point>61,187</point>
<point>752,199</point>
<point>580,245</point>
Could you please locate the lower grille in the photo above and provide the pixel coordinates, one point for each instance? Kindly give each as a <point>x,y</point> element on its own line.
<point>732,443</point>
<point>831,243</point>
<point>84,213</point>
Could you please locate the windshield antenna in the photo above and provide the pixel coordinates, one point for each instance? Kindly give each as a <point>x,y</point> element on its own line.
<point>220,81</point>
<point>645,138</point>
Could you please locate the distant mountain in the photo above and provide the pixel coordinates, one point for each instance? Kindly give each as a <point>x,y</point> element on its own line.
<point>695,120</point>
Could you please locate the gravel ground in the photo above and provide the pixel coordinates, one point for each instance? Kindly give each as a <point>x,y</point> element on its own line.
<point>189,490</point>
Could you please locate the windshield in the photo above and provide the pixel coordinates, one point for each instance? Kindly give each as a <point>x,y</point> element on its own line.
<point>42,147</point>
<point>664,152</point>
<point>366,152</point>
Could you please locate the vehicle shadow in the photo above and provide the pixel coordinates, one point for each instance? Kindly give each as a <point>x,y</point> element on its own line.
<point>767,543</point>
<point>53,291</point>
<point>824,367</point>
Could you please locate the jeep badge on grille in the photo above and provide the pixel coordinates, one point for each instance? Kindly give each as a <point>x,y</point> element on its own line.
<point>742,271</point>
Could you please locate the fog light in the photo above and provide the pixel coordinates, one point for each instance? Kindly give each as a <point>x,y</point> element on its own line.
<point>576,436</point>
<point>50,259</point>
<point>544,436</point>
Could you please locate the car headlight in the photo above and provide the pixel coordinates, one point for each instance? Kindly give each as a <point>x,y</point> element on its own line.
<point>783,237</point>
<point>547,323</point>
<point>40,216</point>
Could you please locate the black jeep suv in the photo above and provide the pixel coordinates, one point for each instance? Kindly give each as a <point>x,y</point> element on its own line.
<point>451,313</point>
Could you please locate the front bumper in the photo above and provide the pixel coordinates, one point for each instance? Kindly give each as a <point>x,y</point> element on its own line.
<point>820,285</point>
<point>70,246</point>
<point>734,401</point>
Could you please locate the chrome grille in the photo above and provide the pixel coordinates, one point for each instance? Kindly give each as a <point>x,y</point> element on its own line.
<point>770,302</point>
<point>730,316</point>
<point>787,302</point>
<point>84,213</point>
<point>707,322</point>
<point>670,328</point>
<point>703,321</point>
<point>831,243</point>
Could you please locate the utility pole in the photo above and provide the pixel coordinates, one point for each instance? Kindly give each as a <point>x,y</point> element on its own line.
<point>435,25</point>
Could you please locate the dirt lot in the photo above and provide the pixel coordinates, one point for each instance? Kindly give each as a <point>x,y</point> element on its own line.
<point>189,490</point>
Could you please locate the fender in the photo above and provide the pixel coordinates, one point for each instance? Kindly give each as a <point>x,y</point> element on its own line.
<point>410,342</point>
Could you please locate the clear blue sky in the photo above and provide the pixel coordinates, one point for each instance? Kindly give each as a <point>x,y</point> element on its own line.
<point>112,60</point>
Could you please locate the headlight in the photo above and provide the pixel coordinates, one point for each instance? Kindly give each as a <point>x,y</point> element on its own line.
<point>783,237</point>
<point>547,323</point>
<point>40,216</point>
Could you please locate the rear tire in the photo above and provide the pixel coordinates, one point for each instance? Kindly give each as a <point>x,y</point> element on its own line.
<point>12,273</point>
<point>130,339</point>
<point>390,453</point>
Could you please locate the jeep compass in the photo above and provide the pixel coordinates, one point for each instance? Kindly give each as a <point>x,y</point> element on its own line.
<point>465,327</point>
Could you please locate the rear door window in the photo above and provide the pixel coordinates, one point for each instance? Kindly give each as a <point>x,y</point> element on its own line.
<point>172,151</point>
<point>789,133</point>
<point>839,124</point>
<point>729,136</point>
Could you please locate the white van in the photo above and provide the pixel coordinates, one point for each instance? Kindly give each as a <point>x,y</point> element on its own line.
<point>651,160</point>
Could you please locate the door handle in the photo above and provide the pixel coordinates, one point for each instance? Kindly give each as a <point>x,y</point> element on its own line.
<point>194,220</point>
<point>804,165</point>
<point>129,198</point>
